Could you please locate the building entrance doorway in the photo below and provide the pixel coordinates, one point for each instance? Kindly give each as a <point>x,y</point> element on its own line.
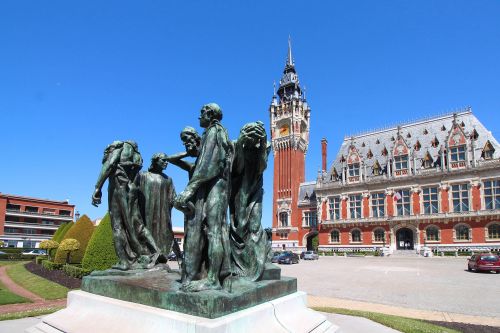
<point>312,241</point>
<point>404,239</point>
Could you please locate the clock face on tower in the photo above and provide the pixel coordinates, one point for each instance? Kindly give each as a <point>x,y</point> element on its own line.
<point>284,130</point>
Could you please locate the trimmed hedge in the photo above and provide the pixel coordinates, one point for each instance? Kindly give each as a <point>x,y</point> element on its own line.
<point>100,254</point>
<point>81,231</point>
<point>39,259</point>
<point>51,266</point>
<point>16,256</point>
<point>75,271</point>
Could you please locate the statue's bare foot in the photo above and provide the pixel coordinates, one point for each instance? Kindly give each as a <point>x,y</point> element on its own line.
<point>122,266</point>
<point>199,285</point>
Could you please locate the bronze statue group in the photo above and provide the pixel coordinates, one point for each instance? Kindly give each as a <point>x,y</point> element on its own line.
<point>226,175</point>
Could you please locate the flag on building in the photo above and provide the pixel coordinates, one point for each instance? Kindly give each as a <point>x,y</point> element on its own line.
<point>397,196</point>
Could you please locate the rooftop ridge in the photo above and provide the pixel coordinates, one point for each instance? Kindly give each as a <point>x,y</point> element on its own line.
<point>460,111</point>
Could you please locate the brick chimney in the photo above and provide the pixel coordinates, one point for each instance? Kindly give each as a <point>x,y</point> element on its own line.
<point>324,145</point>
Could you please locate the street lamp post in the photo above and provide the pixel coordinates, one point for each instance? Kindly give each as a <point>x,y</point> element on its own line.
<point>77,215</point>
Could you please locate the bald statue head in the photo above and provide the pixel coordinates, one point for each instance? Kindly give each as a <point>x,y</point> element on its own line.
<point>209,114</point>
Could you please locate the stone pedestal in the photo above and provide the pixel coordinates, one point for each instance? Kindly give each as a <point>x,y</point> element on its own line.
<point>88,312</point>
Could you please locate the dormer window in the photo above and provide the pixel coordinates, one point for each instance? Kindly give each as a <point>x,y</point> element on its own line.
<point>457,153</point>
<point>401,162</point>
<point>377,170</point>
<point>428,161</point>
<point>353,169</point>
<point>417,146</point>
<point>435,142</point>
<point>369,154</point>
<point>384,152</point>
<point>488,151</point>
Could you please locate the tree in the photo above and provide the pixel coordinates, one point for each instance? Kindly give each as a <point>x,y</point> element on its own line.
<point>1,243</point>
<point>68,245</point>
<point>49,245</point>
<point>100,254</point>
<point>81,231</point>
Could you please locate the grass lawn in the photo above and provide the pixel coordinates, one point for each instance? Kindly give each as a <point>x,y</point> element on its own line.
<point>36,284</point>
<point>8,297</point>
<point>29,313</point>
<point>10,262</point>
<point>405,325</point>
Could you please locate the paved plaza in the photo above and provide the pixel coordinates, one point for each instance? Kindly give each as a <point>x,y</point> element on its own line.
<point>435,284</point>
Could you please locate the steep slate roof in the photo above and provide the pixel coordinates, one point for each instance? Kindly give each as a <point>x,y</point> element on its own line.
<point>437,127</point>
<point>306,191</point>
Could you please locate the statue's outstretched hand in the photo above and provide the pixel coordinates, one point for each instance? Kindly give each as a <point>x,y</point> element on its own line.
<point>181,203</point>
<point>96,197</point>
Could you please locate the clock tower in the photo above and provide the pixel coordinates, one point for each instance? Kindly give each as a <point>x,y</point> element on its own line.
<point>290,121</point>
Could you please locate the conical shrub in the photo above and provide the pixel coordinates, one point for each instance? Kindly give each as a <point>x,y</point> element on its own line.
<point>100,253</point>
<point>81,231</point>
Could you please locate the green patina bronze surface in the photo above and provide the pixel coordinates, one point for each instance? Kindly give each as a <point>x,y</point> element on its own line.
<point>159,288</point>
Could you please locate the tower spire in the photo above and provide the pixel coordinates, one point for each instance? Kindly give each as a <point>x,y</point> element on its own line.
<point>289,60</point>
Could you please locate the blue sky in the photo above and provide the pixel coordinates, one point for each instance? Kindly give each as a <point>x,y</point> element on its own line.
<point>76,75</point>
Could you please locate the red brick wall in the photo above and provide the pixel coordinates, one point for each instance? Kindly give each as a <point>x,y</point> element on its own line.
<point>366,207</point>
<point>416,203</point>
<point>476,198</point>
<point>445,204</point>
<point>344,209</point>
<point>3,206</point>
<point>390,205</point>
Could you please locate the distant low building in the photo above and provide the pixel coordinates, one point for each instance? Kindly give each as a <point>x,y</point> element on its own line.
<point>179,236</point>
<point>26,221</point>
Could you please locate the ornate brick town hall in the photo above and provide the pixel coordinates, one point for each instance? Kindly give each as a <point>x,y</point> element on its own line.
<point>434,182</point>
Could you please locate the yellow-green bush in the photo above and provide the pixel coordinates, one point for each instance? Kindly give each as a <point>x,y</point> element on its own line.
<point>100,253</point>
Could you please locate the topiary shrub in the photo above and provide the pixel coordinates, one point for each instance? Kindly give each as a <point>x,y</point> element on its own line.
<point>39,259</point>
<point>75,271</point>
<point>100,253</point>
<point>49,245</point>
<point>51,266</point>
<point>59,236</point>
<point>64,250</point>
<point>81,231</point>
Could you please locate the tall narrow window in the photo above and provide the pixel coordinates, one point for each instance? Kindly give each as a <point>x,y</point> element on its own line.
<point>355,206</point>
<point>432,233</point>
<point>402,198</point>
<point>356,236</point>
<point>335,236</point>
<point>492,194</point>
<point>378,204</point>
<point>353,169</point>
<point>379,235</point>
<point>401,162</point>
<point>284,219</point>
<point>430,196</point>
<point>334,204</point>
<point>460,194</point>
<point>457,153</point>
<point>462,232</point>
<point>310,219</point>
<point>494,231</point>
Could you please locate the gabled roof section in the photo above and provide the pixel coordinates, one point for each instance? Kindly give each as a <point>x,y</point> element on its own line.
<point>306,192</point>
<point>422,131</point>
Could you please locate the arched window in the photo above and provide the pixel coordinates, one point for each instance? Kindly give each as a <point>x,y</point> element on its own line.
<point>494,231</point>
<point>432,233</point>
<point>284,219</point>
<point>379,235</point>
<point>356,236</point>
<point>462,232</point>
<point>335,236</point>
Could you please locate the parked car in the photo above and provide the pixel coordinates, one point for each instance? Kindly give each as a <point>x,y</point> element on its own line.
<point>35,252</point>
<point>484,262</point>
<point>288,258</point>
<point>302,254</point>
<point>276,256</point>
<point>172,256</point>
<point>311,255</point>
<point>1,252</point>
